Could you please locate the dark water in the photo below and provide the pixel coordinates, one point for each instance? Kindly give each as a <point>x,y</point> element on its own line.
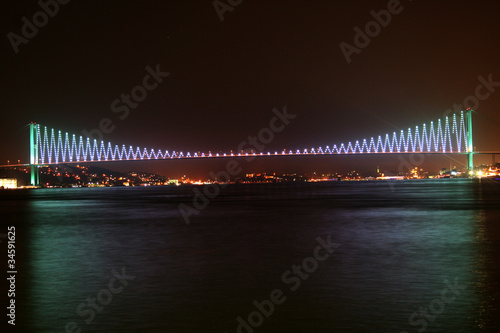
<point>397,251</point>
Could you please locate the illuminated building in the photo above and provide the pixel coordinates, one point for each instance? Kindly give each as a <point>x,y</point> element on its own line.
<point>8,183</point>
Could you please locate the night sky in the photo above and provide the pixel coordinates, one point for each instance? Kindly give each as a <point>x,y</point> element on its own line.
<point>225,77</point>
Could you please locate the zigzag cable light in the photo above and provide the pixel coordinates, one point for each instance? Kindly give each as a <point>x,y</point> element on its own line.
<point>52,147</point>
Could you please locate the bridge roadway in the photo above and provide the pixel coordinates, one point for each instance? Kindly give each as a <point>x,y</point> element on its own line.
<point>267,154</point>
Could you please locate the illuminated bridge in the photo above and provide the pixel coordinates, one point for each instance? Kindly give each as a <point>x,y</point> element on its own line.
<point>451,135</point>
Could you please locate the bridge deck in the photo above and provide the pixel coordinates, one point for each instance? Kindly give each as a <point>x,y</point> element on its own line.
<point>266,154</point>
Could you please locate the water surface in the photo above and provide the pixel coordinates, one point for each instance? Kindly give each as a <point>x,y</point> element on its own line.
<point>397,245</point>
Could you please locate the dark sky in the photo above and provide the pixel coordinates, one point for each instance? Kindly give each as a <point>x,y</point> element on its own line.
<point>227,76</point>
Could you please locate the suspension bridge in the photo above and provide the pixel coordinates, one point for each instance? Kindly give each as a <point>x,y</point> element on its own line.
<point>450,135</point>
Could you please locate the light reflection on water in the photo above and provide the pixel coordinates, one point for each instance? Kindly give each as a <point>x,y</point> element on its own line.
<point>396,249</point>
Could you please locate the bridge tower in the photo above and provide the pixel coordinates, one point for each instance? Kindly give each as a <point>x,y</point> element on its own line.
<point>470,145</point>
<point>35,175</point>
